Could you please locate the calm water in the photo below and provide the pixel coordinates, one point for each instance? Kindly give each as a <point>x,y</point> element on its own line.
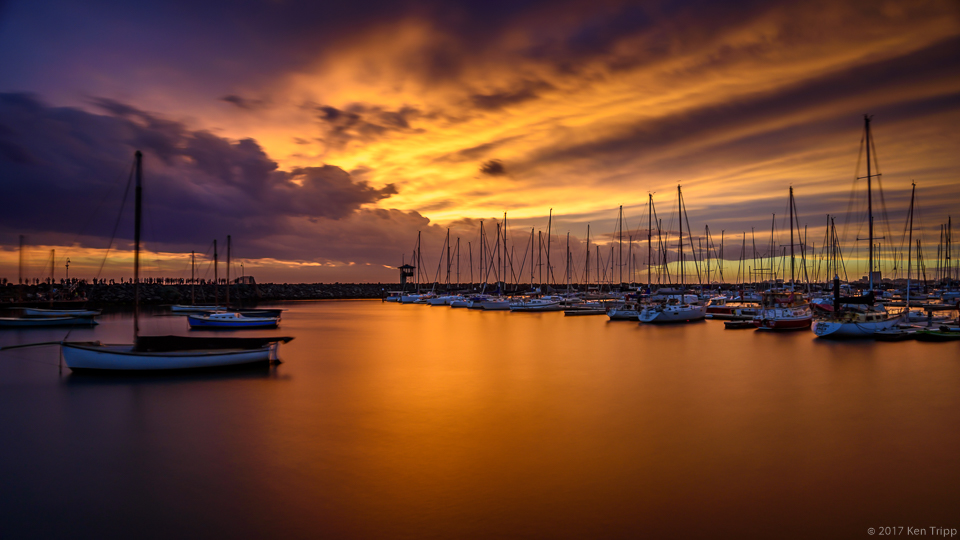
<point>389,421</point>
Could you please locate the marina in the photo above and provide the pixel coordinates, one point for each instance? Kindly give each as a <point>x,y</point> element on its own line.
<point>466,269</point>
<point>576,421</point>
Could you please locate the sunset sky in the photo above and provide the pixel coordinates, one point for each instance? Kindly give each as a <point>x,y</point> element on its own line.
<point>324,135</point>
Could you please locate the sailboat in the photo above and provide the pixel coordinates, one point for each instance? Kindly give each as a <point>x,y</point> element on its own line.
<point>149,353</point>
<point>193,307</point>
<point>781,310</point>
<point>675,307</point>
<point>232,320</point>
<point>858,316</point>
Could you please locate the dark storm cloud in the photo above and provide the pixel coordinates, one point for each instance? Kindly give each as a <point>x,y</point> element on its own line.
<point>494,167</point>
<point>197,185</point>
<point>248,104</point>
<point>362,123</point>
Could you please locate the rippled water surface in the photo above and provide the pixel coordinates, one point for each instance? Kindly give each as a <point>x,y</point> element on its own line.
<point>388,421</point>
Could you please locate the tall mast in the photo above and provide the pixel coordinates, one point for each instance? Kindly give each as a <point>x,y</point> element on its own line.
<point>792,286</point>
<point>193,265</point>
<point>586,267</point>
<point>20,277</point>
<point>913,192</point>
<point>499,254</point>
<point>549,238</point>
<point>448,259</point>
<point>53,263</point>
<point>567,271</point>
<point>228,272</point>
<point>506,258</point>
<point>706,232</point>
<point>470,254</point>
<point>866,121</point>
<point>532,268</point>
<point>620,256</point>
<point>720,264</point>
<point>216,277</point>
<point>649,239</point>
<point>598,269</point>
<point>483,275</point>
<point>138,216</point>
<point>418,262</point>
<point>680,243</point>
<point>540,256</point>
<point>949,245</point>
<point>458,262</point>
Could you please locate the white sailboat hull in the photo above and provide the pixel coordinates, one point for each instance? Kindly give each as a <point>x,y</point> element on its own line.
<point>125,358</point>
<point>835,329</point>
<point>673,314</point>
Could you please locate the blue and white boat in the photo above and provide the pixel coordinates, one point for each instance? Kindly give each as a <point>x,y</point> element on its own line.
<point>231,321</point>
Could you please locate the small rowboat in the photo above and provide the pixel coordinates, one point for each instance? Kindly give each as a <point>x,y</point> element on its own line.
<point>231,321</point>
<point>36,312</point>
<point>38,322</point>
<point>193,309</point>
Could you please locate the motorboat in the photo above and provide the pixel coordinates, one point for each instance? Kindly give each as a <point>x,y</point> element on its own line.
<point>722,308</point>
<point>784,311</point>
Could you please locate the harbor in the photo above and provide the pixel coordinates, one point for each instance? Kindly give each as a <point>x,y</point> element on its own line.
<point>458,422</point>
<point>461,269</point>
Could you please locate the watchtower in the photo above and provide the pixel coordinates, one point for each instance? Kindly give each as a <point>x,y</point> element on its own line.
<point>406,271</point>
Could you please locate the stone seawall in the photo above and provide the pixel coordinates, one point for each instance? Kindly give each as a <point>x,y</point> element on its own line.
<point>155,293</point>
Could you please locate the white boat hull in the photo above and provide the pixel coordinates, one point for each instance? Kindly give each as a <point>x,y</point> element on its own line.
<point>124,358</point>
<point>834,329</point>
<point>540,306</point>
<point>673,314</point>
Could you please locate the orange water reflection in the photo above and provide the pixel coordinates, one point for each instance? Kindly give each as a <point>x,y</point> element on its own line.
<point>413,421</point>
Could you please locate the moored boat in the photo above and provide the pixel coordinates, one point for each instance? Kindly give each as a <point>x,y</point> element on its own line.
<point>784,311</point>
<point>148,353</point>
<point>625,311</point>
<point>234,321</point>
<point>546,303</point>
<point>163,353</point>
<point>43,322</point>
<point>178,308</point>
<point>675,309</point>
<point>37,312</point>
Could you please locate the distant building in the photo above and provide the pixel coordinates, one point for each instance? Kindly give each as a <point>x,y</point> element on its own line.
<point>406,271</point>
<point>246,280</point>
